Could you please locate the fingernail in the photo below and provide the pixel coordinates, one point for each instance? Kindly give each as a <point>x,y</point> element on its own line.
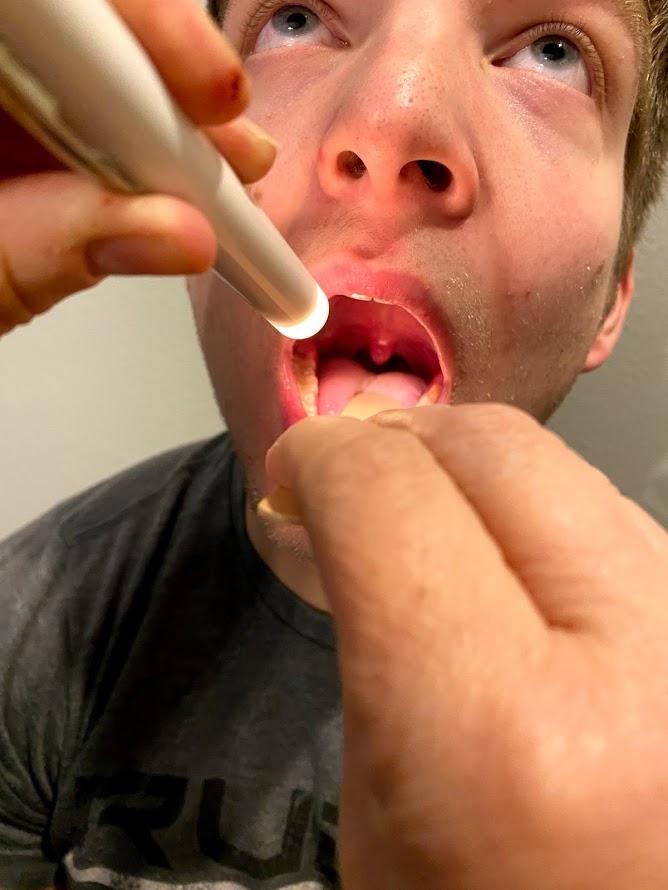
<point>259,135</point>
<point>272,450</point>
<point>135,255</point>
<point>270,460</point>
<point>280,505</point>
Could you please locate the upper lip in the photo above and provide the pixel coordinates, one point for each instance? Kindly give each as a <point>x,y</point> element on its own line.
<point>392,286</point>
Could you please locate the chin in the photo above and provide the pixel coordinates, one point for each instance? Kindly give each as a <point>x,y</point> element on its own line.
<point>291,539</point>
<point>271,535</point>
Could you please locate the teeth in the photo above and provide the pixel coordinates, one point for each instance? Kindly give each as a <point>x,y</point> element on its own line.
<point>362,297</point>
<point>433,394</point>
<point>381,350</point>
<point>307,380</point>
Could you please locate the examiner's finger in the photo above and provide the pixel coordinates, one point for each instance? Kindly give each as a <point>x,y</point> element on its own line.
<point>559,521</point>
<point>197,62</point>
<point>396,542</point>
<point>62,233</point>
<point>248,148</point>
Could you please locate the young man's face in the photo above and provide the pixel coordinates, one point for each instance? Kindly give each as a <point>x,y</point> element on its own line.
<point>462,160</point>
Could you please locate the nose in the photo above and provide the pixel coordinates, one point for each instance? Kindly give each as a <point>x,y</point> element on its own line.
<point>399,132</point>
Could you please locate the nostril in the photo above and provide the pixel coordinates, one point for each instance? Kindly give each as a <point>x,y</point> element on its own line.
<point>437,176</point>
<point>351,164</point>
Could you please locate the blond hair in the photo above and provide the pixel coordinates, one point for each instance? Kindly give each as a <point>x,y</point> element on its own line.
<point>647,145</point>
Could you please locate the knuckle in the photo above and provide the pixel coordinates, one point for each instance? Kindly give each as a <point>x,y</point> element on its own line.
<point>494,417</point>
<point>20,302</point>
<point>453,429</point>
<point>491,425</point>
<point>482,420</point>
<point>39,269</point>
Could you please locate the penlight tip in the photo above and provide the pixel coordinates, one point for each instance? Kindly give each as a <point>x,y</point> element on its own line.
<point>312,324</point>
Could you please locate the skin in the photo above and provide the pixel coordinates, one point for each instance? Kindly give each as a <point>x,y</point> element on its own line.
<point>501,619</point>
<point>500,609</point>
<point>61,233</point>
<point>535,161</point>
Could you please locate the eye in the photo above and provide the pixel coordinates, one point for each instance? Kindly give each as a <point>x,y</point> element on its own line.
<point>555,56</point>
<point>290,25</point>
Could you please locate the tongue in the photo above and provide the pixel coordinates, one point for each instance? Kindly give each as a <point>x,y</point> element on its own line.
<point>342,378</point>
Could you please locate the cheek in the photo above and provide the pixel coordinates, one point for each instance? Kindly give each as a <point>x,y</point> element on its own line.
<point>558,188</point>
<point>293,117</point>
<point>549,309</point>
<point>283,205</point>
<point>550,241</point>
<point>242,353</point>
<point>564,225</point>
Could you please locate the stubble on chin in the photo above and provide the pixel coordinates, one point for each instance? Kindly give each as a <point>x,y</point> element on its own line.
<point>269,536</point>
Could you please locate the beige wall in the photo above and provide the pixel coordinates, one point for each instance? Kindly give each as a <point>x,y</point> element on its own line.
<point>115,375</point>
<point>104,380</point>
<point>618,417</point>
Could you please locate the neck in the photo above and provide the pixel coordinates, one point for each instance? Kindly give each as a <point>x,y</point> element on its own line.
<point>296,571</point>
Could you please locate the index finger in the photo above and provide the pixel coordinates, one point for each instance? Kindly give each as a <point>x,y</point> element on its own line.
<point>574,542</point>
<point>199,65</point>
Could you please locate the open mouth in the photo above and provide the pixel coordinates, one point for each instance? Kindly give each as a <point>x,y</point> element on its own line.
<point>371,346</point>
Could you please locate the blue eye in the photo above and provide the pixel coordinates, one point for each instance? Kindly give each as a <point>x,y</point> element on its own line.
<point>554,57</point>
<point>556,50</point>
<point>294,20</point>
<point>294,25</point>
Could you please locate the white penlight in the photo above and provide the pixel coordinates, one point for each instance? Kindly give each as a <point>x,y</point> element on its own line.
<point>95,99</point>
<point>311,325</point>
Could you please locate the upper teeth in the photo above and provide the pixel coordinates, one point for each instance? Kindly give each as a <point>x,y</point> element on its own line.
<point>366,299</point>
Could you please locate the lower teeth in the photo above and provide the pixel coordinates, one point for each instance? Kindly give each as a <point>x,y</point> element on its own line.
<point>304,367</point>
<point>433,394</point>
<point>305,371</point>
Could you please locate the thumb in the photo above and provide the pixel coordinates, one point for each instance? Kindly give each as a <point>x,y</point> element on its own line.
<point>62,233</point>
<point>409,569</point>
<point>433,632</point>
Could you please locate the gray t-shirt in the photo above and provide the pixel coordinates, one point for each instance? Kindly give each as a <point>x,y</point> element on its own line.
<point>171,714</point>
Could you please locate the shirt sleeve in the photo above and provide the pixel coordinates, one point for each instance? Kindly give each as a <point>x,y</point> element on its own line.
<point>33,701</point>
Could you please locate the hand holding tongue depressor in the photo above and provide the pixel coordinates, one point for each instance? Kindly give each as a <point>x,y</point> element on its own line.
<point>280,504</point>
